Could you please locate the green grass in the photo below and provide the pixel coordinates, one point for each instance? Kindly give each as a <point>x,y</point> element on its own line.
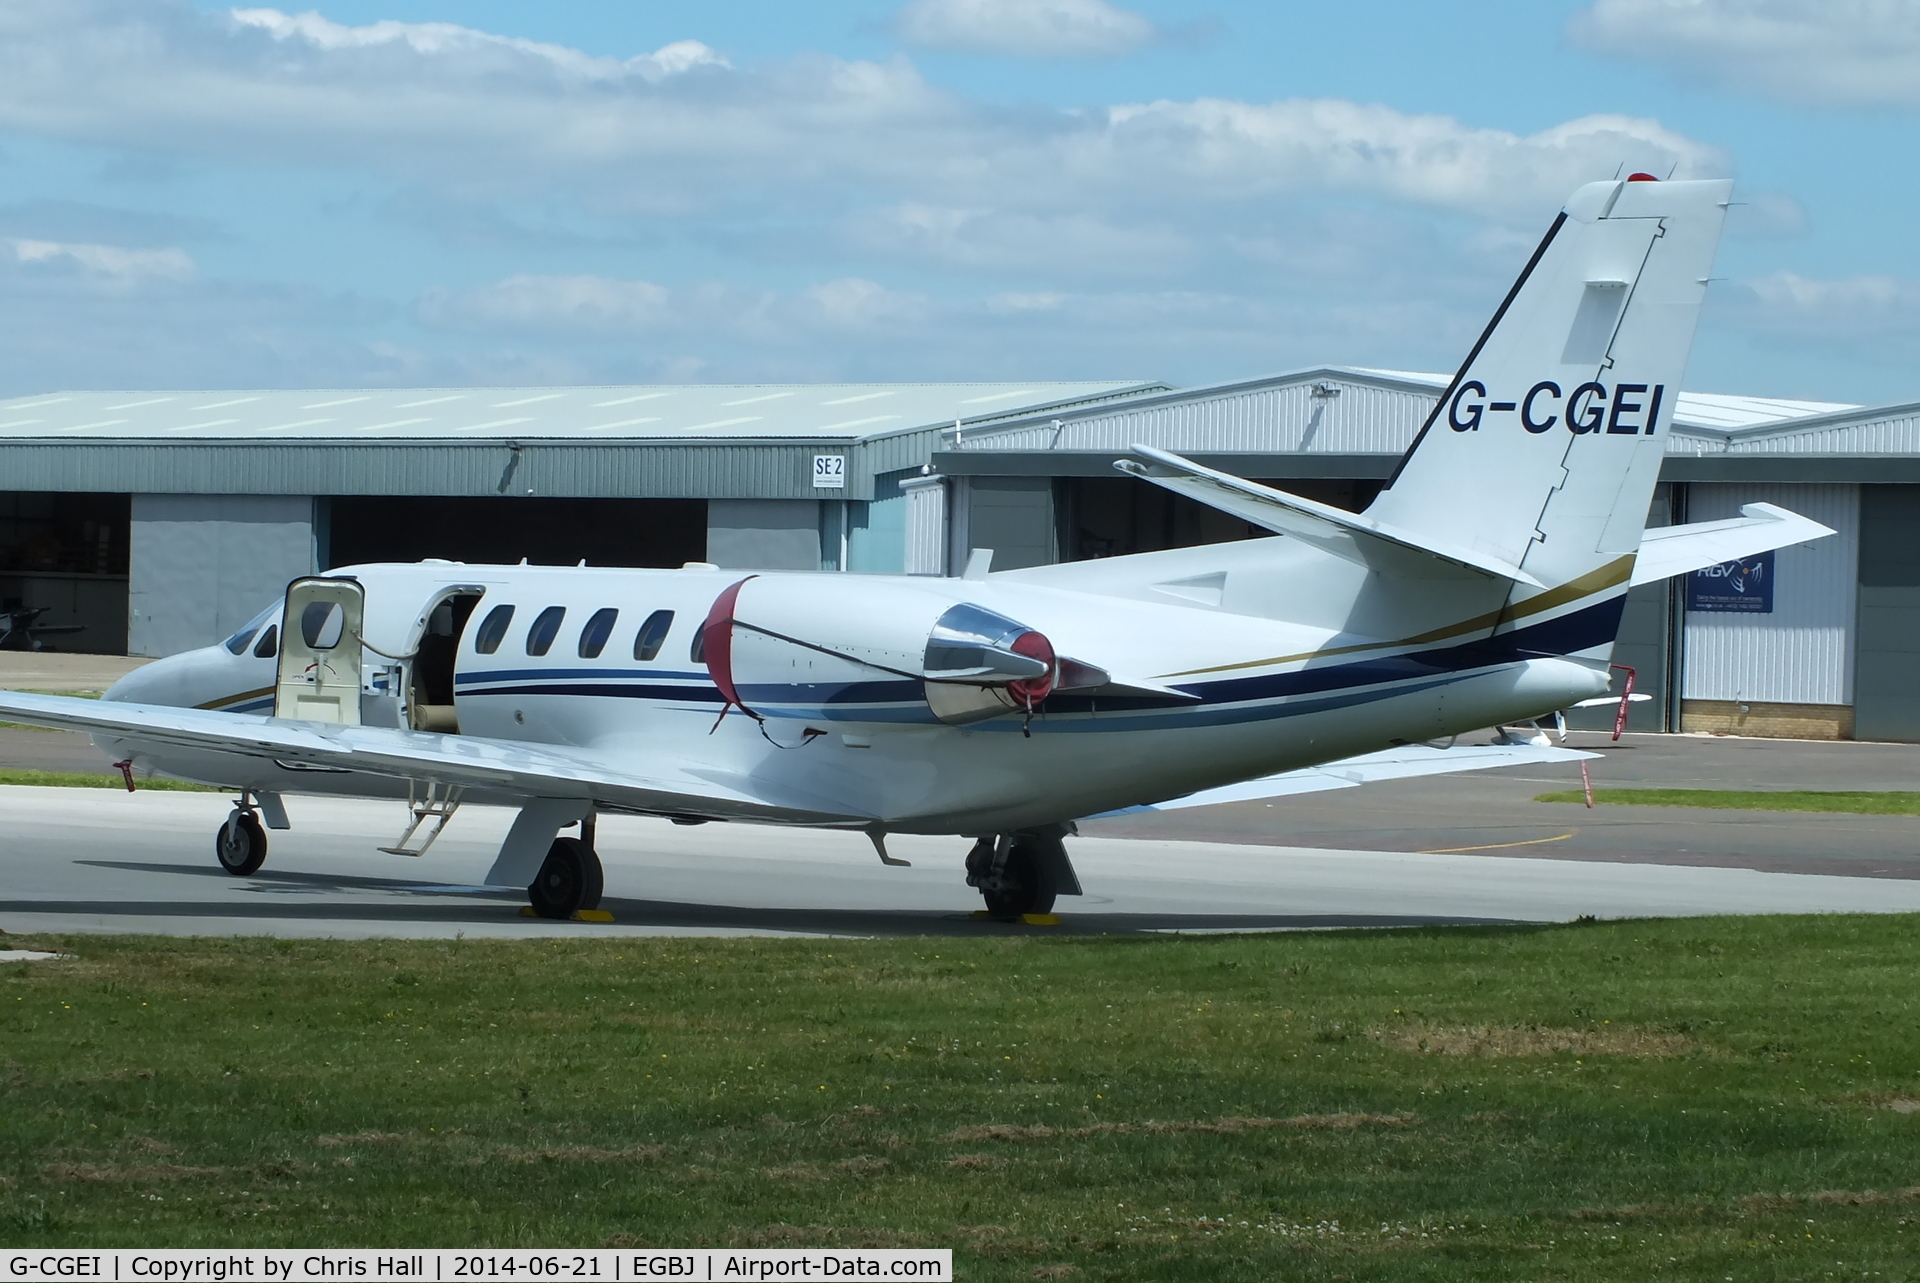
<point>1849,803</point>
<point>83,780</point>
<point>1689,1099</point>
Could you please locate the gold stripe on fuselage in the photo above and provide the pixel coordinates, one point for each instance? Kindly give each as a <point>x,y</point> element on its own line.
<point>230,700</point>
<point>1611,575</point>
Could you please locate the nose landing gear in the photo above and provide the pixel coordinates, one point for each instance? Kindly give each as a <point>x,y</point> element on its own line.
<point>241,843</point>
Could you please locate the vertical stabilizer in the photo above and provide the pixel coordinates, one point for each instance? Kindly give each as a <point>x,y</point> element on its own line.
<point>1544,451</point>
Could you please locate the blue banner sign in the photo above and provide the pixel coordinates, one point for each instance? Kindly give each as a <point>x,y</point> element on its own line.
<point>1744,586</point>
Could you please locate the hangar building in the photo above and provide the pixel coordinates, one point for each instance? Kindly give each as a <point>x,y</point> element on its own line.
<point>162,520</point>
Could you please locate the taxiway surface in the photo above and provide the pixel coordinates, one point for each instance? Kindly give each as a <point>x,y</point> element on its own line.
<point>97,860</point>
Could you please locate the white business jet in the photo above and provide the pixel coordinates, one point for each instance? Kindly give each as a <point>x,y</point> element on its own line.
<point>1483,586</point>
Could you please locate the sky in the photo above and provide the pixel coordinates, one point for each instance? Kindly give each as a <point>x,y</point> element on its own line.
<point>438,193</point>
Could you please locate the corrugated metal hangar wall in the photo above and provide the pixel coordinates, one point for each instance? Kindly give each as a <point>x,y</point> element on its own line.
<point>161,534</point>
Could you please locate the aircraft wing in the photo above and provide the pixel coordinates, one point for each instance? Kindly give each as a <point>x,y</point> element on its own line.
<point>464,761</point>
<point>1677,550</point>
<point>1370,768</point>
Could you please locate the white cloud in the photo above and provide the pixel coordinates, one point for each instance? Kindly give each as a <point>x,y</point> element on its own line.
<point>444,39</point>
<point>111,262</point>
<point>566,304</point>
<point>1869,324</point>
<point>954,238</point>
<point>855,303</point>
<point>605,307</point>
<point>1017,301</point>
<point>471,115</point>
<point>1212,146</point>
<point>1849,52</point>
<point>1025,28</point>
<point>1852,306</point>
<point>1002,241</point>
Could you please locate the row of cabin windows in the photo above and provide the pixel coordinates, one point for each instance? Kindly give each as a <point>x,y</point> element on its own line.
<point>594,634</point>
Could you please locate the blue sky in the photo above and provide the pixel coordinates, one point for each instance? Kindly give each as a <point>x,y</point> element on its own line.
<point>414,192</point>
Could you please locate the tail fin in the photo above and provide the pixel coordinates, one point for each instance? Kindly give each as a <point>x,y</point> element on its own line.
<point>1545,449</point>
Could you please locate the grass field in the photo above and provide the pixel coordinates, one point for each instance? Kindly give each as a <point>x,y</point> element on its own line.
<point>1702,1099</point>
<point>1849,803</point>
<point>82,780</point>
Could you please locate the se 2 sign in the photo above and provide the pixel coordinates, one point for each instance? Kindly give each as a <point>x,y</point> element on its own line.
<point>829,472</point>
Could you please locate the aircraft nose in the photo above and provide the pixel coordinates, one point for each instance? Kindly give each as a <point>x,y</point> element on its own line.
<point>150,683</point>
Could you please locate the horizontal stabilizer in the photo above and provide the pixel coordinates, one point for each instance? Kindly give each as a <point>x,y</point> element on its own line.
<point>467,761</point>
<point>1371,768</point>
<point>1678,550</point>
<point>1348,535</point>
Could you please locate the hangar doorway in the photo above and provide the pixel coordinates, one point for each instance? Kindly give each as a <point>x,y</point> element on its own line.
<point>63,571</point>
<point>1117,516</point>
<point>547,532</point>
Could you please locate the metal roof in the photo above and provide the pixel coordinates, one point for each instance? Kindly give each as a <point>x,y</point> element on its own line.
<point>694,441</point>
<point>1346,410</point>
<point>682,412</point>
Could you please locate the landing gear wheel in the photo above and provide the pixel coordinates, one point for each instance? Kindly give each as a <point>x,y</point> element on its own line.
<point>241,844</point>
<point>569,881</point>
<point>1024,883</point>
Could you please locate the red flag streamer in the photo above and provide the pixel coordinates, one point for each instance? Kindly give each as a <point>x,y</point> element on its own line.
<point>716,641</point>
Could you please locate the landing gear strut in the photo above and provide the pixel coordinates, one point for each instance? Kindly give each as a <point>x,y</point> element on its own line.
<point>1016,873</point>
<point>569,881</point>
<point>241,843</point>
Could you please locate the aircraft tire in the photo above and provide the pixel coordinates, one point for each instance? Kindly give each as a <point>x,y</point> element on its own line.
<point>1026,883</point>
<point>241,844</point>
<point>570,879</point>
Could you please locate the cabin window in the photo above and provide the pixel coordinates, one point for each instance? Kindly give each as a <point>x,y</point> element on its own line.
<point>652,635</point>
<point>268,643</point>
<point>492,629</point>
<point>697,652</point>
<point>593,638</point>
<point>545,627</point>
<point>321,624</point>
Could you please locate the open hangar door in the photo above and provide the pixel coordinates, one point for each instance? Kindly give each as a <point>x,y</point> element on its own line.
<point>485,530</point>
<point>63,571</point>
<point>1116,516</point>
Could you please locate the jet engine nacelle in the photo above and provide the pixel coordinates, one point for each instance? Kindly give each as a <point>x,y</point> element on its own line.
<point>844,649</point>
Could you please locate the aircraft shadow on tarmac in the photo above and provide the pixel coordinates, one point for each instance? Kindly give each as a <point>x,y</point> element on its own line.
<point>437,905</point>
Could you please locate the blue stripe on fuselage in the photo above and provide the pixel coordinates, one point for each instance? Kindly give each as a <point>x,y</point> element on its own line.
<point>1224,700</point>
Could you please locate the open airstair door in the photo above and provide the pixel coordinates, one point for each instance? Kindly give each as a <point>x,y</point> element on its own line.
<point>319,679</point>
<point>430,705</point>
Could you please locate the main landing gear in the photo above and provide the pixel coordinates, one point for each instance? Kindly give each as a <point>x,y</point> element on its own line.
<point>570,880</point>
<point>241,843</point>
<point>1021,873</point>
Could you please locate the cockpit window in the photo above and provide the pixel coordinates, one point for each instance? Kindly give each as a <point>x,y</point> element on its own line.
<point>268,643</point>
<point>697,652</point>
<point>492,629</point>
<point>238,642</point>
<point>545,627</point>
<point>652,635</point>
<point>593,638</point>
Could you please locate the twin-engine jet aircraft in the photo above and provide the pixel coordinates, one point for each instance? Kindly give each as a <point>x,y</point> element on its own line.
<point>1483,586</point>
